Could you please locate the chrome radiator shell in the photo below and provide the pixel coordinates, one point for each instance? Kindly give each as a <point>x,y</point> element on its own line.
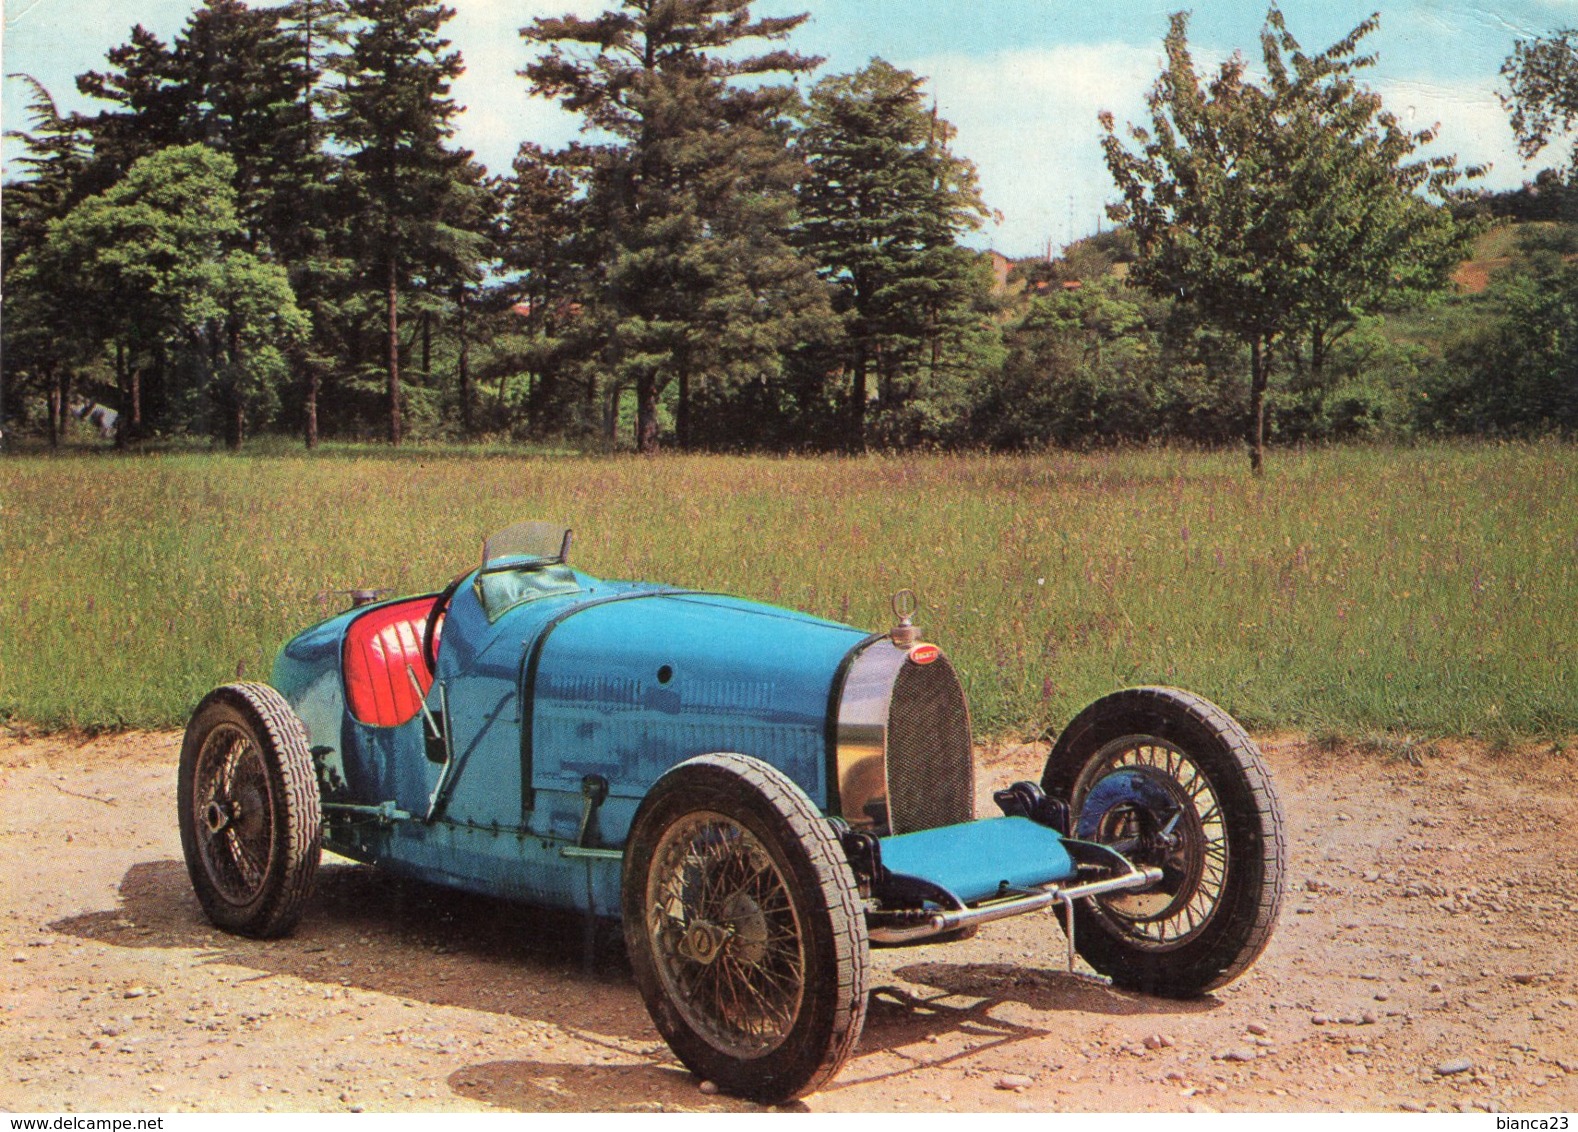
<point>903,758</point>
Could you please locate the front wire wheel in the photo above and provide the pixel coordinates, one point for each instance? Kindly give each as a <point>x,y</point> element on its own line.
<point>1171,781</point>
<point>744,928</point>
<point>1147,799</point>
<point>726,935</point>
<point>249,813</point>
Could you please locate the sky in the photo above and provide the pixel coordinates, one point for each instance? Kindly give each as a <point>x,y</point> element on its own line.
<point>1021,80</point>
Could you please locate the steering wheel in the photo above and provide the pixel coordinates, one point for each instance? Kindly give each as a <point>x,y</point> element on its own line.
<point>434,616</point>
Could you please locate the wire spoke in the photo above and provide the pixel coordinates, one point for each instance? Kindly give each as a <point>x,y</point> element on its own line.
<point>728,941</point>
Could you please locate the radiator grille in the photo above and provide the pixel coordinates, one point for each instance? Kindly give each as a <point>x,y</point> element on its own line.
<point>931,767</point>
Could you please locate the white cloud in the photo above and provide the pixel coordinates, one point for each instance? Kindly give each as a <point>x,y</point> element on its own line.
<point>1027,118</point>
<point>500,113</point>
<point>1473,126</point>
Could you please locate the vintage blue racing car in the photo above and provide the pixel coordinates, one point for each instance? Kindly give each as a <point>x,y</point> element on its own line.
<point>757,794</point>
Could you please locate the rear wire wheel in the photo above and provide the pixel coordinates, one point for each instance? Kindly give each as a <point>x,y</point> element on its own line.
<point>1171,781</point>
<point>744,928</point>
<point>249,812</point>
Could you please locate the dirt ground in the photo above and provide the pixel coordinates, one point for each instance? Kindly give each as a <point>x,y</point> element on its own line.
<point>1425,960</point>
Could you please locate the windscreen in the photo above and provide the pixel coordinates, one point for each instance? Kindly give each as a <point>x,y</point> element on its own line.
<point>533,541</point>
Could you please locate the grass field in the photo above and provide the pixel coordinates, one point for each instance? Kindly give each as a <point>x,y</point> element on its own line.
<point>1426,591</point>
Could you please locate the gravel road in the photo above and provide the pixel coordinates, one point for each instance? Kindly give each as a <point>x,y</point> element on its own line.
<point>1427,959</point>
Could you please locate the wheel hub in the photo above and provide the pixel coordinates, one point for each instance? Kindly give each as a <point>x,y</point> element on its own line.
<point>218,815</point>
<point>747,927</point>
<point>704,941</point>
<point>1140,811</point>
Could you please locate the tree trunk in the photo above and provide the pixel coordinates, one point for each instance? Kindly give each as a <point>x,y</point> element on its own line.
<point>128,379</point>
<point>464,364</point>
<point>857,402</point>
<point>236,432</point>
<point>393,281</point>
<point>57,409</point>
<point>682,410</point>
<point>647,414</point>
<point>310,424</point>
<point>1259,363</point>
<point>427,347</point>
<point>611,414</point>
<point>134,433</point>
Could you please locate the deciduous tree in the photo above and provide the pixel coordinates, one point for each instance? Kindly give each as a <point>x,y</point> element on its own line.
<point>1542,92</point>
<point>1285,208</point>
<point>156,269</point>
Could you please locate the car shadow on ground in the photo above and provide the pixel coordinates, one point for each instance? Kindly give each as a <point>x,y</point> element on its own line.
<point>963,1019</point>
<point>375,932</point>
<point>547,1086</point>
<point>1054,990</point>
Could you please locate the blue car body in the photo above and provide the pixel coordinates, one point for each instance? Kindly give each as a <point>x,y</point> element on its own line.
<point>757,794</point>
<point>614,682</point>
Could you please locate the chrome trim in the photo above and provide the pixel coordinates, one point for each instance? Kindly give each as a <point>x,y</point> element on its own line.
<point>421,700</point>
<point>941,922</point>
<point>862,736</point>
<point>445,782</point>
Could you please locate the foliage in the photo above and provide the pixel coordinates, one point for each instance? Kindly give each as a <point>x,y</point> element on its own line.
<point>420,203</point>
<point>1102,364</point>
<point>1518,375</point>
<point>155,267</point>
<point>882,206</point>
<point>691,192</point>
<point>40,345</point>
<point>722,263</point>
<point>1285,208</point>
<point>1542,92</point>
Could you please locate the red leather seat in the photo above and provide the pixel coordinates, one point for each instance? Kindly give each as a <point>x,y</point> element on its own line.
<point>378,646</point>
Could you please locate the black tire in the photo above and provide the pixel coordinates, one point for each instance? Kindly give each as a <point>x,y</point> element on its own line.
<point>1159,765</point>
<point>251,822</point>
<point>745,928</point>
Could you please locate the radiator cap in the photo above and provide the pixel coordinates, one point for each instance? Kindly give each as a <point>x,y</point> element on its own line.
<point>904,634</point>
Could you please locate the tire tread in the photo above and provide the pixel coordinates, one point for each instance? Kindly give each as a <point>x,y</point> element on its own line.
<point>1238,944</point>
<point>837,894</point>
<point>289,761</point>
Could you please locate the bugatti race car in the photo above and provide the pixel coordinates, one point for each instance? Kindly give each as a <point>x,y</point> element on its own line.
<point>758,795</point>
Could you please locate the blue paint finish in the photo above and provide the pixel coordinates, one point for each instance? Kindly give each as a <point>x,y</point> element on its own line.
<point>628,680</point>
<point>1126,788</point>
<point>307,673</point>
<point>505,864</point>
<point>974,859</point>
<point>627,689</point>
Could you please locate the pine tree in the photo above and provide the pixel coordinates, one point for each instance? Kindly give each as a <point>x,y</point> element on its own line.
<point>312,245</point>
<point>692,195</point>
<point>140,82</point>
<point>406,186</point>
<point>39,345</point>
<point>547,250</point>
<point>881,209</point>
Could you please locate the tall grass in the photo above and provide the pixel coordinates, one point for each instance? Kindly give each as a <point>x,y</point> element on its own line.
<point>1431,590</point>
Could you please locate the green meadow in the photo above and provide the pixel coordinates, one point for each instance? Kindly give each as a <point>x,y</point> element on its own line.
<point>1428,591</point>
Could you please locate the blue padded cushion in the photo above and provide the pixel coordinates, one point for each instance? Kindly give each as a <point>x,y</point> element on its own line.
<point>972,859</point>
